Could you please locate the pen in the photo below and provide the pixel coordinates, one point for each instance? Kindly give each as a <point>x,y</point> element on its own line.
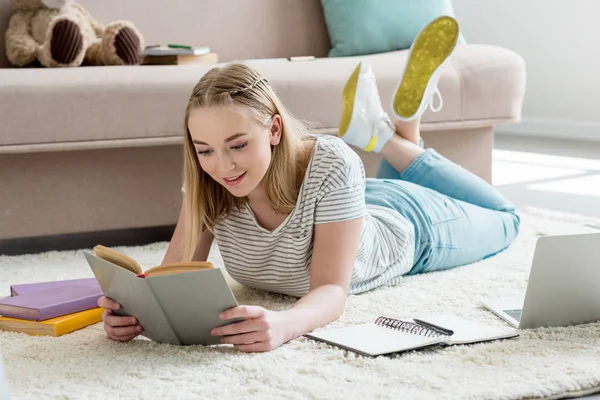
<point>179,46</point>
<point>446,331</point>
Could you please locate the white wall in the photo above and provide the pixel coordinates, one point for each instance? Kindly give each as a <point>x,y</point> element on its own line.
<point>560,42</point>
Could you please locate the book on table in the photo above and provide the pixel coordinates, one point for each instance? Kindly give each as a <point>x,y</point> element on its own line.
<point>178,55</point>
<point>391,335</point>
<point>181,59</point>
<point>172,50</point>
<point>177,303</point>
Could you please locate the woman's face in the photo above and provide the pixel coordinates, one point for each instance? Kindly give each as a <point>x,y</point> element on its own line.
<point>232,147</point>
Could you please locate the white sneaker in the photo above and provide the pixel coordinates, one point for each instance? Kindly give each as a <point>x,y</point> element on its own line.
<point>430,50</point>
<point>364,124</point>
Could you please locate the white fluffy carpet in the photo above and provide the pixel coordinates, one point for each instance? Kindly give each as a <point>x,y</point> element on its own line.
<point>543,363</point>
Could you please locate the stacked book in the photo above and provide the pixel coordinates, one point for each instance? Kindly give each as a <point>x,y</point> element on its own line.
<point>176,54</point>
<point>51,308</point>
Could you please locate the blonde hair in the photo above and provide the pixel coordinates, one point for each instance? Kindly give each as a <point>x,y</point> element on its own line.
<point>206,200</point>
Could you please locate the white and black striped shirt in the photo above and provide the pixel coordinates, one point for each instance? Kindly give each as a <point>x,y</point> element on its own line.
<point>333,190</point>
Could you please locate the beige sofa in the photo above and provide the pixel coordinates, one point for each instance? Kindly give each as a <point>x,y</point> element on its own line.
<point>99,148</point>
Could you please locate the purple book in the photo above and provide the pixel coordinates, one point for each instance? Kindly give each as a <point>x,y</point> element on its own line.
<point>49,303</point>
<point>26,288</point>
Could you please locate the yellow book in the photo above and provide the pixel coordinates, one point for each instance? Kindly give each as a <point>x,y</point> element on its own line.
<point>55,326</point>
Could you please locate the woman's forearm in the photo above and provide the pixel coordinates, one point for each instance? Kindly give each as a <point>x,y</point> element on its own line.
<point>319,307</point>
<point>174,251</point>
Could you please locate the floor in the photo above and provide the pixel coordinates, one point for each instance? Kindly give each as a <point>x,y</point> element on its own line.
<point>556,174</point>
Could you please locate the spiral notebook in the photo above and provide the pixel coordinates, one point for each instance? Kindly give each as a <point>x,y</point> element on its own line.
<point>388,335</point>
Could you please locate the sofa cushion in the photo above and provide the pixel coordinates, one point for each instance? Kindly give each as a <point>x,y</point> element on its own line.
<point>483,85</point>
<point>377,26</point>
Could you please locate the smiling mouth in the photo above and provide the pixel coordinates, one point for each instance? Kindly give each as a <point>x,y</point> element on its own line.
<point>234,180</point>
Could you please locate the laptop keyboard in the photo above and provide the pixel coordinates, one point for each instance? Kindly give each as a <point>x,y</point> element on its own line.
<point>516,314</point>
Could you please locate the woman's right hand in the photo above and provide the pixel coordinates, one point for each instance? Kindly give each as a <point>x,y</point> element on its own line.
<point>118,328</point>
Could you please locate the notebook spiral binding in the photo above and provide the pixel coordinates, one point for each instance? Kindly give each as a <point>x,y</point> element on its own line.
<point>406,326</point>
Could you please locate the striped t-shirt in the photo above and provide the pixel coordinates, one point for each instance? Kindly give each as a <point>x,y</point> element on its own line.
<point>333,190</point>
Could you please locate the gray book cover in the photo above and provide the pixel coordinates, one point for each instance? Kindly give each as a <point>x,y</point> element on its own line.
<point>179,308</point>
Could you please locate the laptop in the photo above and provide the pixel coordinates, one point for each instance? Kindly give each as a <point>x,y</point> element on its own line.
<point>563,287</point>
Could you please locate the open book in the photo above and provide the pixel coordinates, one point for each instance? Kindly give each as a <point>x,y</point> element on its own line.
<point>388,335</point>
<point>177,303</point>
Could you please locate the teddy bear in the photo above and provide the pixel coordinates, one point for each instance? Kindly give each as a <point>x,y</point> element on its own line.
<point>61,33</point>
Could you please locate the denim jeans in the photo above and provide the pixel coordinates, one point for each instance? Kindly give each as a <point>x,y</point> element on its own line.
<point>458,217</point>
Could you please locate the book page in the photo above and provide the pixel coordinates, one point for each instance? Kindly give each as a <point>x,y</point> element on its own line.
<point>466,331</point>
<point>178,267</point>
<point>117,258</point>
<point>372,340</point>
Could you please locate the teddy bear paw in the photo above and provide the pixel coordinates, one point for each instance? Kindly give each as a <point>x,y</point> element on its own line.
<point>127,46</point>
<point>66,43</point>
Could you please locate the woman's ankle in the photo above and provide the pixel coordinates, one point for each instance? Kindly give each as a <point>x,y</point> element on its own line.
<point>400,152</point>
<point>409,130</point>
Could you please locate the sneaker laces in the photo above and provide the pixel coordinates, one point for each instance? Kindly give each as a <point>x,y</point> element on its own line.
<point>440,100</point>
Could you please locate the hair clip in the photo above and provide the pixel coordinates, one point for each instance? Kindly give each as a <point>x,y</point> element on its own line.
<point>251,86</point>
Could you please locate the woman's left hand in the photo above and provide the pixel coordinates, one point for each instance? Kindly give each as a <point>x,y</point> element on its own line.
<point>263,329</point>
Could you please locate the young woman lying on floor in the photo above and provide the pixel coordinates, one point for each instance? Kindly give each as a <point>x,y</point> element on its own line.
<point>293,213</point>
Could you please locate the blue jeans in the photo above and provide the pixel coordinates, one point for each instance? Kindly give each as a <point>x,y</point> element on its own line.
<point>458,217</point>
